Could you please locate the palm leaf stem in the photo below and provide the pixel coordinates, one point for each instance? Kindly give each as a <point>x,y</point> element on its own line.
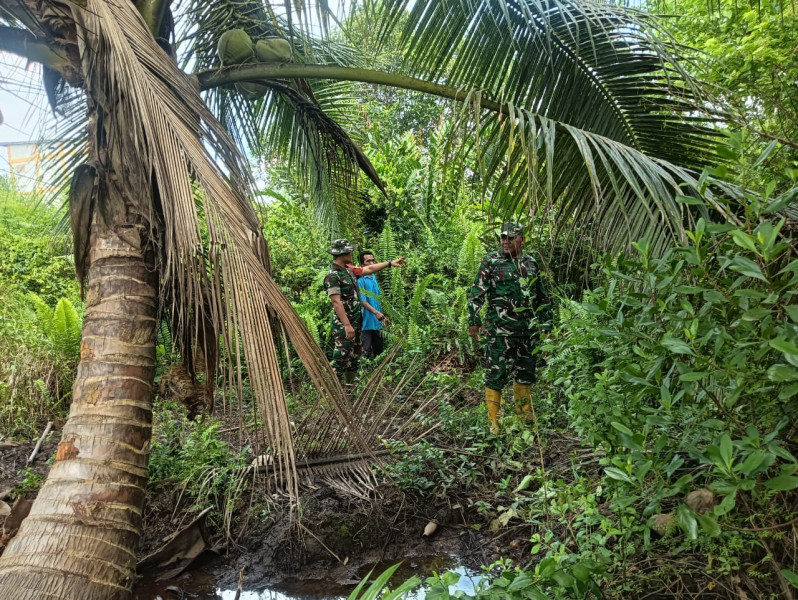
<point>213,78</point>
<point>23,43</point>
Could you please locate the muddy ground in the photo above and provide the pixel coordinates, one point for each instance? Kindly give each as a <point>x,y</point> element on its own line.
<point>336,540</point>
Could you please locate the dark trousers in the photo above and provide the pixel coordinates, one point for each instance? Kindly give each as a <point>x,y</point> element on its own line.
<point>372,342</point>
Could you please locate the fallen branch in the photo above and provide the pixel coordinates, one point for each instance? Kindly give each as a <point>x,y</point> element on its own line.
<point>38,445</point>
<point>766,528</point>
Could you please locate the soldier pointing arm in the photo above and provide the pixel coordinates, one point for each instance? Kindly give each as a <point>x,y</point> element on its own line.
<point>509,282</point>
<point>342,287</point>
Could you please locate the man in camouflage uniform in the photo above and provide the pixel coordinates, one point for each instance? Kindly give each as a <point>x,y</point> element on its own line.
<point>518,308</point>
<point>342,287</point>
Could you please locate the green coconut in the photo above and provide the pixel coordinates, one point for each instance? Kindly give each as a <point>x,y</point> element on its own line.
<point>235,47</point>
<point>273,49</point>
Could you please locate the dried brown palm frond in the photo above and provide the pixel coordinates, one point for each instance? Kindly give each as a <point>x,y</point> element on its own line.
<point>391,410</point>
<point>211,253</point>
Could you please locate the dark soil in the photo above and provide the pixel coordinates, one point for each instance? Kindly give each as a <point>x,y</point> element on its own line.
<point>337,540</point>
<point>13,459</point>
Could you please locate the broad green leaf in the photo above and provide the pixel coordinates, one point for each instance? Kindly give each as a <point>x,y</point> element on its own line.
<point>747,267</point>
<point>593,309</point>
<point>782,372</point>
<point>528,479</point>
<point>693,375</point>
<point>755,314</point>
<point>791,577</point>
<point>788,392</point>
<point>686,520</point>
<point>676,346</point>
<point>726,505</point>
<point>581,572</point>
<point>753,462</point>
<point>616,473</point>
<point>743,239</point>
<point>784,346</point>
<point>521,582</point>
<point>709,525</point>
<point>726,449</point>
<point>546,567</point>
<point>622,428</point>
<point>782,483</point>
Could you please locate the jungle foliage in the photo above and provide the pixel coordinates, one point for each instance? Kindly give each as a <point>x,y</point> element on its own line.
<point>40,316</point>
<point>674,368</point>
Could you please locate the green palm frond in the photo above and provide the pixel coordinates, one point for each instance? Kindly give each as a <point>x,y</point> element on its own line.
<point>596,112</point>
<point>573,106</point>
<point>300,122</point>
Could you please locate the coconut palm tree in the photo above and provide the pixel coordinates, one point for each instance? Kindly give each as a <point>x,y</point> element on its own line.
<point>571,106</point>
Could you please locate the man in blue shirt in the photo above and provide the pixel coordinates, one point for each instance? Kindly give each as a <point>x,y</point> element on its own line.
<point>371,308</point>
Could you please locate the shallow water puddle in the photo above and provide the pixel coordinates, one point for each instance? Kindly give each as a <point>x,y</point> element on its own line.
<point>201,585</point>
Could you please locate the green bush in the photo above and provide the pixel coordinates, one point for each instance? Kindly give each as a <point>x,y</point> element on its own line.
<point>192,455</point>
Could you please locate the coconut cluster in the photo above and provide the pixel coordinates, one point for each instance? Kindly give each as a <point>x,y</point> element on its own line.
<point>237,48</point>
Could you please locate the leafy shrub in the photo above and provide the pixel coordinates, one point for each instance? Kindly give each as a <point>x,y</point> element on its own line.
<point>192,454</point>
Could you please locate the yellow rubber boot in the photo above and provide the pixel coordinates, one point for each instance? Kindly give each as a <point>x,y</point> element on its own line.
<point>493,400</point>
<point>522,395</point>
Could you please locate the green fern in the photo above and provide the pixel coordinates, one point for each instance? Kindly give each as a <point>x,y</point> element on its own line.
<point>397,287</point>
<point>44,393</point>
<point>413,337</point>
<point>312,325</point>
<point>419,292</point>
<point>470,256</point>
<point>61,326</point>
<point>386,243</point>
<point>43,312</point>
<point>66,329</point>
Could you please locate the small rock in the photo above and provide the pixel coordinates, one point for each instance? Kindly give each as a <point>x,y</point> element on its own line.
<point>516,543</point>
<point>430,529</point>
<point>5,509</point>
<point>700,500</point>
<point>660,523</point>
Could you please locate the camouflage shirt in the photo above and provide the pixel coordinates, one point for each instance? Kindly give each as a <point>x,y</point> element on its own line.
<point>513,289</point>
<point>343,281</point>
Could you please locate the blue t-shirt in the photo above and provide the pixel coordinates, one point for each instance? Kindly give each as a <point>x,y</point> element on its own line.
<point>369,284</point>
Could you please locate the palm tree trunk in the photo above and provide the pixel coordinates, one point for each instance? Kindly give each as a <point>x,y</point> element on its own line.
<point>80,540</point>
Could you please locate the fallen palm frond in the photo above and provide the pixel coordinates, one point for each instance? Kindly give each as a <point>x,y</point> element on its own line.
<point>211,254</point>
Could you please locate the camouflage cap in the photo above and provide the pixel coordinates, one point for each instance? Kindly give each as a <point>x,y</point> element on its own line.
<point>511,229</point>
<point>342,246</point>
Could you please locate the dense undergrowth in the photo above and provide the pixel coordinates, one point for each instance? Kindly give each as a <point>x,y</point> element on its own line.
<point>676,380</point>
<point>40,316</point>
<point>661,458</point>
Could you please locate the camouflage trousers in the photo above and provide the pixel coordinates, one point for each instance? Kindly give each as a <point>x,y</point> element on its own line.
<point>506,356</point>
<point>346,353</point>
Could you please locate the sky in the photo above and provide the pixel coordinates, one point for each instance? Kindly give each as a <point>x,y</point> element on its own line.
<point>23,103</point>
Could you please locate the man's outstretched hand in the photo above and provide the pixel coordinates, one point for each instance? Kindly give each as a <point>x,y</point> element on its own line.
<point>398,262</point>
